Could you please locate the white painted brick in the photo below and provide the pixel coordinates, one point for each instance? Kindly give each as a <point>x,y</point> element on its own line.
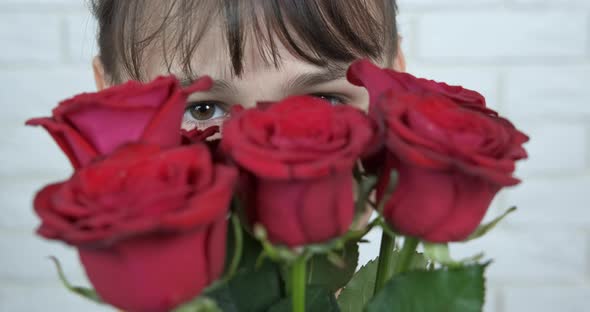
<point>33,298</point>
<point>28,151</point>
<point>542,254</point>
<point>437,4</point>
<point>25,258</point>
<point>41,1</point>
<point>405,27</point>
<point>29,37</point>
<point>16,202</point>
<point>493,36</point>
<point>555,148</point>
<point>551,201</point>
<point>44,4</point>
<point>548,91</point>
<point>554,3</point>
<point>31,92</point>
<point>482,80</point>
<point>81,38</point>
<point>550,298</point>
<point>491,298</point>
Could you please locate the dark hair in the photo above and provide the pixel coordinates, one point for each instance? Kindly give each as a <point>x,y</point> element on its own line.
<point>321,32</point>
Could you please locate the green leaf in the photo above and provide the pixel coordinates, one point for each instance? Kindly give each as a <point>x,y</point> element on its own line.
<point>201,304</point>
<point>450,290</point>
<point>359,290</point>
<point>440,253</point>
<point>316,299</point>
<point>333,274</point>
<point>484,229</point>
<point>87,293</point>
<point>251,289</point>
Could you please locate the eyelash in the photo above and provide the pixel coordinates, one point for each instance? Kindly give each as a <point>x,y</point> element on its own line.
<point>340,99</point>
<point>190,122</point>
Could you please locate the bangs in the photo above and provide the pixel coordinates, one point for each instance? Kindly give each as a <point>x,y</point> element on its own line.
<point>320,32</point>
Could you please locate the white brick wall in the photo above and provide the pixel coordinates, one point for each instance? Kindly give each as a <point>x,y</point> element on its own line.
<point>531,58</point>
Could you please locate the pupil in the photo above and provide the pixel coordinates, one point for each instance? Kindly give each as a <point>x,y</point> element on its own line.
<point>203,111</point>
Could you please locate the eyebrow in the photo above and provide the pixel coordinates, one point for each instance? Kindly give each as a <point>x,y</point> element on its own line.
<point>219,85</point>
<point>306,80</point>
<point>299,82</point>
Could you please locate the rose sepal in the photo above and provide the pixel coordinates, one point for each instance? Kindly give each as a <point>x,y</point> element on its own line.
<point>483,229</point>
<point>84,292</point>
<point>200,304</point>
<point>441,254</point>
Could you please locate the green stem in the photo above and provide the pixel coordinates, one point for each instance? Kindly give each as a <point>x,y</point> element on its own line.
<point>239,245</point>
<point>406,254</point>
<point>384,269</point>
<point>298,270</point>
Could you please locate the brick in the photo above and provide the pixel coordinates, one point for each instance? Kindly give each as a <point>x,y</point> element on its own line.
<point>34,92</point>
<point>570,4</point>
<point>16,196</point>
<point>548,144</point>
<point>53,297</point>
<point>449,4</point>
<point>482,80</point>
<point>549,298</point>
<point>29,38</point>
<point>497,35</point>
<point>81,30</point>
<point>46,4</point>
<point>28,151</point>
<point>551,201</point>
<point>491,298</point>
<point>531,254</point>
<point>25,259</point>
<point>548,91</point>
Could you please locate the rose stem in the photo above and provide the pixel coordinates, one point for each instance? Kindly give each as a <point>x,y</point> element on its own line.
<point>298,271</point>
<point>239,244</point>
<point>384,268</point>
<point>406,255</point>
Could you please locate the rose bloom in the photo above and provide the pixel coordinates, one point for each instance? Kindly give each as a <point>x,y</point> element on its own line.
<point>149,223</point>
<point>452,153</point>
<point>93,124</point>
<point>297,156</point>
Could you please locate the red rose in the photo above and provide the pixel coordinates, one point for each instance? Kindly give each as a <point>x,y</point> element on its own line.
<point>452,155</point>
<point>197,135</point>
<point>93,124</point>
<point>149,224</point>
<point>377,81</point>
<point>298,155</point>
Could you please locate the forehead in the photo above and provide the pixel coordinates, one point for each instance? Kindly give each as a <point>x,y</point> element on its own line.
<point>210,58</point>
<point>215,42</point>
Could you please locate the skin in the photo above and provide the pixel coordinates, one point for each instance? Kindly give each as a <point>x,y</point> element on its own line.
<point>259,81</point>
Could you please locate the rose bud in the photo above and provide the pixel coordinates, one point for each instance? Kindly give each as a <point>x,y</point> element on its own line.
<point>452,153</point>
<point>93,124</point>
<point>149,224</point>
<point>297,157</point>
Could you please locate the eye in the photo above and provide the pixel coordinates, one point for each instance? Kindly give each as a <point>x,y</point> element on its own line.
<point>333,99</point>
<point>204,111</point>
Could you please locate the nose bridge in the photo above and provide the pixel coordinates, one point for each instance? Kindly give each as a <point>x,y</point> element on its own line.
<point>263,87</point>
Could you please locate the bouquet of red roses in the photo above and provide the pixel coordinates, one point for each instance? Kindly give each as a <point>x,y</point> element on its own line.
<point>270,218</point>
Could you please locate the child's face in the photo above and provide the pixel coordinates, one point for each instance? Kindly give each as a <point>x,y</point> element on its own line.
<point>259,81</point>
